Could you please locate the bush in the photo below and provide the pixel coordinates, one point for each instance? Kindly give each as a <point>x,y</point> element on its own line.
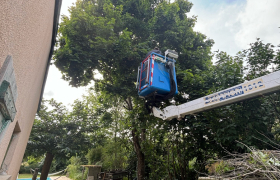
<point>25,167</point>
<point>75,169</point>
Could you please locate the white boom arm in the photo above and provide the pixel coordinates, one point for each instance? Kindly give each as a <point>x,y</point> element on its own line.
<point>248,89</point>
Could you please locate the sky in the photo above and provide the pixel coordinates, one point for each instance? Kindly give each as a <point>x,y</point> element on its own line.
<point>232,24</point>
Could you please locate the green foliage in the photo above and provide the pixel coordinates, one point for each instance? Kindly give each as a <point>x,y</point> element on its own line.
<point>75,169</point>
<point>114,36</point>
<point>94,156</point>
<point>112,151</point>
<point>222,168</point>
<point>261,58</point>
<point>31,162</point>
<point>57,132</point>
<point>25,168</point>
<point>192,163</point>
<point>250,121</point>
<point>263,159</point>
<point>111,156</point>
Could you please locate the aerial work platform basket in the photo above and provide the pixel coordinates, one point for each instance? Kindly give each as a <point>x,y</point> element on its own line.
<point>154,75</point>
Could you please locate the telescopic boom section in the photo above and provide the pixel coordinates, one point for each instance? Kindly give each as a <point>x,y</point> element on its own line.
<point>249,89</point>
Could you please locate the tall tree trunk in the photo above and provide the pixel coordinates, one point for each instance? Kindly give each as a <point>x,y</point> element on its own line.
<point>46,166</point>
<point>137,146</point>
<point>140,156</point>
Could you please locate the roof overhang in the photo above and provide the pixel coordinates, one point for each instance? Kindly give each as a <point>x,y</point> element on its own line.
<point>54,33</point>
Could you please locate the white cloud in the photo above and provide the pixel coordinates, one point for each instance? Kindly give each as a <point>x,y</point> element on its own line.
<point>49,93</point>
<point>219,22</point>
<point>60,90</point>
<point>260,19</point>
<point>233,25</point>
<point>65,6</point>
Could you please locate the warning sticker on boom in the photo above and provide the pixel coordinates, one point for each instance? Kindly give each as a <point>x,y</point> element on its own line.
<point>234,92</point>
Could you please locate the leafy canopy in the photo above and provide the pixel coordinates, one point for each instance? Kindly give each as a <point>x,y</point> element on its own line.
<point>113,37</point>
<point>54,131</point>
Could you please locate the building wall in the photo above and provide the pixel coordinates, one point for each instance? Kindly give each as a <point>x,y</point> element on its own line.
<point>25,33</point>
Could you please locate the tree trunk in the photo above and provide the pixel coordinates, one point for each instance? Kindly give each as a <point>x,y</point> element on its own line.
<point>35,174</point>
<point>140,156</point>
<point>137,147</point>
<point>46,166</point>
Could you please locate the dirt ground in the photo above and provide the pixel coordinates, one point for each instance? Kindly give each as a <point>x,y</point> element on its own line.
<point>60,178</point>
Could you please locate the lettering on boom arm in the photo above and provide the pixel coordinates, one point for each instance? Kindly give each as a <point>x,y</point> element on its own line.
<point>234,92</point>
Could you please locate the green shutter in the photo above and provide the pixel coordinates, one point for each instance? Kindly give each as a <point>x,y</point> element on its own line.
<point>8,94</point>
<point>4,123</point>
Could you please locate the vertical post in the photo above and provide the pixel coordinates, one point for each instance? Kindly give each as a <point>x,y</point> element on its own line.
<point>46,166</point>
<point>83,173</point>
<point>35,174</point>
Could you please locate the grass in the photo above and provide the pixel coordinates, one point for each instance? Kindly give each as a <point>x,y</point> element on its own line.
<point>22,176</point>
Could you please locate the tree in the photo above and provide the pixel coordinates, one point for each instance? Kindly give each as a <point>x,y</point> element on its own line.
<point>208,134</point>
<point>251,121</point>
<point>57,135</point>
<point>112,37</point>
<point>104,114</point>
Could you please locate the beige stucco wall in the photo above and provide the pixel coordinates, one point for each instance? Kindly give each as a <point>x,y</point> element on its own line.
<point>25,34</point>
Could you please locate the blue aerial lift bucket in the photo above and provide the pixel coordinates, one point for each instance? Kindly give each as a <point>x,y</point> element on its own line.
<point>154,76</point>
